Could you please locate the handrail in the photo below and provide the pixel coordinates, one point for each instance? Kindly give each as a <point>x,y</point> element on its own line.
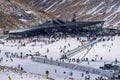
<point>81,48</point>
<point>71,66</point>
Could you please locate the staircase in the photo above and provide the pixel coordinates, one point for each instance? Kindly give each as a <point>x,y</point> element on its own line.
<point>80,49</point>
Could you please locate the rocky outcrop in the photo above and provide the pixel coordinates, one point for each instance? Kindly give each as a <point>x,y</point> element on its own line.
<point>24,13</point>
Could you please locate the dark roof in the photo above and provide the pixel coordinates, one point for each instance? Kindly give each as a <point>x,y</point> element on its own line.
<point>57,23</point>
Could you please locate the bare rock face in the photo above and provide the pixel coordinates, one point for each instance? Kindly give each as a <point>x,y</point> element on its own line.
<point>24,13</point>
<point>14,15</point>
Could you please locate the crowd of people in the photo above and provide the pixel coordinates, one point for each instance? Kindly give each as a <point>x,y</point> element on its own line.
<point>36,39</point>
<point>83,75</point>
<point>53,38</point>
<point>46,39</point>
<point>62,49</point>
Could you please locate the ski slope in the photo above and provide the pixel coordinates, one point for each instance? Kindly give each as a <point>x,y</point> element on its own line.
<point>108,50</point>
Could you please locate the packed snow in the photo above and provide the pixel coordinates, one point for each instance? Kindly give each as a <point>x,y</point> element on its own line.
<point>29,11</point>
<point>23,20</point>
<point>102,52</point>
<point>51,6</point>
<point>95,9</point>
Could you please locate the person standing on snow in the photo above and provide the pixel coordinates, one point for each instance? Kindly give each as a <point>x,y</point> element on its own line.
<point>9,78</point>
<point>47,74</point>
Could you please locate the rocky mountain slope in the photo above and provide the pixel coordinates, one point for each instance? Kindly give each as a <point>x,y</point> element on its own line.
<point>24,13</point>
<point>108,10</point>
<point>14,15</point>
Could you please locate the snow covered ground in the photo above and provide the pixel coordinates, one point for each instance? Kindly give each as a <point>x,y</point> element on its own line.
<point>19,76</point>
<point>108,50</point>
